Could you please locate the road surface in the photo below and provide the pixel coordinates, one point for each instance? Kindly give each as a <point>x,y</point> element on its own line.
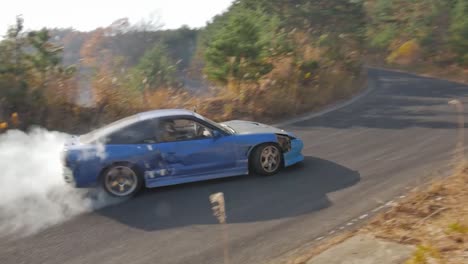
<point>398,136</point>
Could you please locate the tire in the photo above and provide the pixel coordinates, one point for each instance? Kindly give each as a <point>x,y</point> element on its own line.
<point>122,180</point>
<point>266,159</point>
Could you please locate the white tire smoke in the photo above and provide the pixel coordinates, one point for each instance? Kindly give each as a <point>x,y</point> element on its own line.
<point>33,194</point>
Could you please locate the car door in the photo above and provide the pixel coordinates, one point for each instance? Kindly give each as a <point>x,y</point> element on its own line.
<point>134,143</point>
<point>191,148</point>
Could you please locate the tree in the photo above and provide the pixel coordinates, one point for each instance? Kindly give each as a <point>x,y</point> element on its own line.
<point>13,71</point>
<point>32,77</point>
<point>12,51</point>
<point>47,56</point>
<point>49,76</point>
<point>459,30</point>
<point>155,69</point>
<point>150,24</point>
<point>238,51</point>
<point>93,52</point>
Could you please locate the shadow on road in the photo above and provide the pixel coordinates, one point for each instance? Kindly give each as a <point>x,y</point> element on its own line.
<point>401,101</point>
<point>297,190</point>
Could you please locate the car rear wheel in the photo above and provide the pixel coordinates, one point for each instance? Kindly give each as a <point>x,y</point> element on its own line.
<point>266,159</point>
<point>122,180</point>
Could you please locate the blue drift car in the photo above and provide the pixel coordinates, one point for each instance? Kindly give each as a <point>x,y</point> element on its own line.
<point>167,147</point>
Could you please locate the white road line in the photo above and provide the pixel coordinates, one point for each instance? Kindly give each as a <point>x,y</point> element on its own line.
<point>378,208</point>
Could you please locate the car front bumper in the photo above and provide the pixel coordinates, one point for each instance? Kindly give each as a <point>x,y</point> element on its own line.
<point>295,154</point>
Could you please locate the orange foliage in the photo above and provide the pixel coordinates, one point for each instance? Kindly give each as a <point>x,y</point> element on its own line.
<point>89,50</point>
<point>169,98</point>
<point>3,126</point>
<point>405,54</point>
<point>15,119</point>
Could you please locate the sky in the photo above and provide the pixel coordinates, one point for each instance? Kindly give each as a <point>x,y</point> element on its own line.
<point>85,15</point>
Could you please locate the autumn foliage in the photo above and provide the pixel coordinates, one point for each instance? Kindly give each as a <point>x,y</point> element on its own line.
<point>261,59</point>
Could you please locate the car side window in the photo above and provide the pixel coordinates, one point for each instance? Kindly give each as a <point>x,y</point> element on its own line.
<point>183,129</point>
<point>143,132</point>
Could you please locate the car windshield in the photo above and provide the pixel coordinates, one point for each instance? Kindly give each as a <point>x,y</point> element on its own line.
<point>221,127</point>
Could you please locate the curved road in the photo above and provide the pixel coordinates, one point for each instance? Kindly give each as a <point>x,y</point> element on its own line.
<point>398,136</point>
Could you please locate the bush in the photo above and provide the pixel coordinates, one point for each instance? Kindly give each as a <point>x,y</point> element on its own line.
<point>459,30</point>
<point>384,37</point>
<point>463,60</point>
<point>406,53</point>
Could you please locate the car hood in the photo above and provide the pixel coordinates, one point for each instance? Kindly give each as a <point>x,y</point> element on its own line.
<point>249,127</point>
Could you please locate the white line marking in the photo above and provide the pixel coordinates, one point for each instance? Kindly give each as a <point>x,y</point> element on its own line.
<point>363,216</point>
<point>319,238</point>
<point>378,208</point>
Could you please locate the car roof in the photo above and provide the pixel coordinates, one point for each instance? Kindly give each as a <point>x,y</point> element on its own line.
<point>164,113</point>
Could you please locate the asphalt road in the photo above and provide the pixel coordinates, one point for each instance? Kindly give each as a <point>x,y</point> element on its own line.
<point>398,136</point>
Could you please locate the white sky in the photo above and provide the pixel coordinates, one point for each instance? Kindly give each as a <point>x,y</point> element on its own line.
<point>86,15</point>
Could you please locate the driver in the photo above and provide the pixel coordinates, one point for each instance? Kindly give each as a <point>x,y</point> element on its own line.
<point>169,131</point>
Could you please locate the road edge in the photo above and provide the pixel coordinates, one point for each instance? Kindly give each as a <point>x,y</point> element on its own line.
<point>415,74</point>
<point>370,88</point>
<point>334,107</point>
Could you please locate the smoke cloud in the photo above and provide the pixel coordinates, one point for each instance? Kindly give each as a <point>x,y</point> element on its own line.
<point>33,194</point>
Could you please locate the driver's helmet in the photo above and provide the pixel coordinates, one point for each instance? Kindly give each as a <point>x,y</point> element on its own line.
<point>169,126</point>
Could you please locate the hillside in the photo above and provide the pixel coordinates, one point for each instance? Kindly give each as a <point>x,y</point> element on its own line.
<point>260,59</point>
<point>422,35</point>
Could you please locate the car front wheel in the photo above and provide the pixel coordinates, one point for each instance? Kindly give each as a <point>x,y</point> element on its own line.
<point>266,159</point>
<point>122,180</point>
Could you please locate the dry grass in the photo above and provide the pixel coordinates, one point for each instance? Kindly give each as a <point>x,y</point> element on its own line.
<point>303,256</point>
<point>406,54</point>
<point>434,219</point>
<point>279,96</point>
<point>276,99</point>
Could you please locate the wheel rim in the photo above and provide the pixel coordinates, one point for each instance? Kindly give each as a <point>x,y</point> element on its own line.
<point>270,158</point>
<point>121,181</point>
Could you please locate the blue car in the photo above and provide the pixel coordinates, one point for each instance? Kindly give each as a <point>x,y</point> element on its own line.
<point>173,146</point>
